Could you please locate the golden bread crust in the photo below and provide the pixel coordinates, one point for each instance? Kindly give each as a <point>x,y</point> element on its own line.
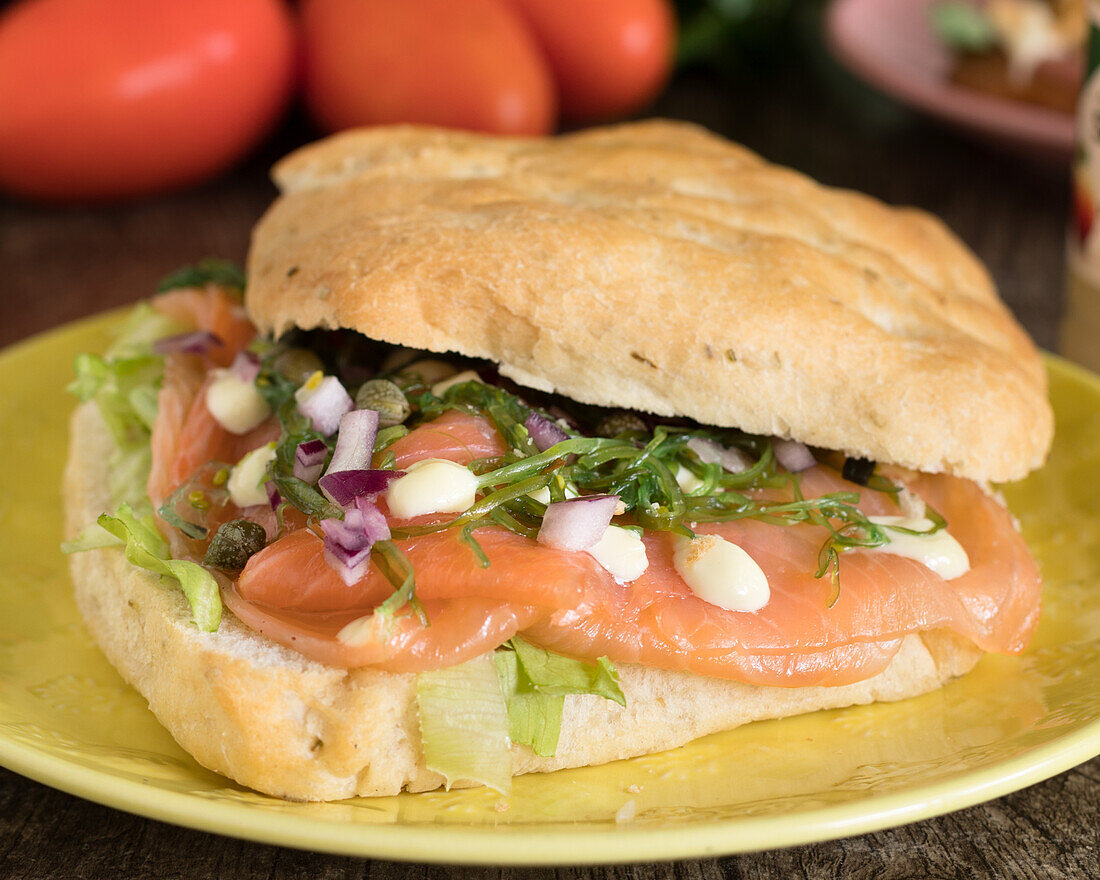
<point>277,722</point>
<point>658,267</point>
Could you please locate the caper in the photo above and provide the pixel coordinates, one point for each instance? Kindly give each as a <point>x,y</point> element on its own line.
<point>398,358</point>
<point>234,544</point>
<point>427,371</point>
<point>620,422</point>
<point>297,364</point>
<point>385,397</point>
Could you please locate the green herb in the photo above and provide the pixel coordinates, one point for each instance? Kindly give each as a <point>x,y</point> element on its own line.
<point>222,273</point>
<point>397,569</point>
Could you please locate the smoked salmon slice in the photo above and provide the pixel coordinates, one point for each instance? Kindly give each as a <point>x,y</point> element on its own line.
<point>454,436</point>
<point>566,602</point>
<point>656,620</point>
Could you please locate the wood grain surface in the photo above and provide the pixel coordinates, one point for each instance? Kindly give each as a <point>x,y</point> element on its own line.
<point>59,263</point>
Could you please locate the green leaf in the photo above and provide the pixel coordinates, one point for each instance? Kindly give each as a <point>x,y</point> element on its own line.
<point>551,673</point>
<point>142,326</point>
<point>124,385</point>
<point>223,273</point>
<point>91,537</point>
<point>146,548</point>
<point>535,683</point>
<point>464,724</point>
<point>534,718</point>
<point>964,26</point>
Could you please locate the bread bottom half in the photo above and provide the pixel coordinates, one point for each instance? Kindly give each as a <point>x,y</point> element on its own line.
<point>274,721</point>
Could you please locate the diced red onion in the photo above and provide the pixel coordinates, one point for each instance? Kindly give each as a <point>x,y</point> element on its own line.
<point>544,433</point>
<point>246,366</point>
<point>309,458</point>
<point>344,487</point>
<point>199,342</point>
<point>351,565</point>
<point>577,523</point>
<point>355,444</point>
<point>325,405</point>
<point>794,456</point>
<point>273,496</point>
<point>374,522</point>
<point>710,451</point>
<point>348,542</point>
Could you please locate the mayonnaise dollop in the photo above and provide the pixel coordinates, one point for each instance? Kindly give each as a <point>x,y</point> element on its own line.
<point>432,485</point>
<point>622,553</point>
<point>236,405</point>
<point>940,551</point>
<point>720,572</point>
<point>246,482</point>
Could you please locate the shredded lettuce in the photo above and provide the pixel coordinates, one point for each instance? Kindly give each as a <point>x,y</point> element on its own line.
<point>141,327</point>
<point>117,385</point>
<point>91,537</point>
<point>146,548</point>
<point>124,384</point>
<point>535,683</point>
<point>464,724</point>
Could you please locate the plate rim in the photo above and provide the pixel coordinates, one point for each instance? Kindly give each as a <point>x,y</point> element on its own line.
<point>541,845</point>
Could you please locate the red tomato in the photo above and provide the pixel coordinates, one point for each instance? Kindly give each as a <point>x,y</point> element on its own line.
<point>460,63</point>
<point>609,57</point>
<point>108,98</point>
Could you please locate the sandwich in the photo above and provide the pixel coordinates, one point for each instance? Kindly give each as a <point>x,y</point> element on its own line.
<point>515,455</point>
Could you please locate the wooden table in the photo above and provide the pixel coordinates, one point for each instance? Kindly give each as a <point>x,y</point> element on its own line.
<point>58,264</point>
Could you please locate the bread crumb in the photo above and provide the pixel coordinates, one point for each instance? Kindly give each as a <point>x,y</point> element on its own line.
<point>502,806</point>
<point>633,788</point>
<point>626,812</point>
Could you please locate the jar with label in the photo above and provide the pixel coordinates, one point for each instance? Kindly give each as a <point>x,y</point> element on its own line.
<point>1080,332</point>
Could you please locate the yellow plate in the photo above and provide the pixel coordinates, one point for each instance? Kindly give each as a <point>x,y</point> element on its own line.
<point>68,720</point>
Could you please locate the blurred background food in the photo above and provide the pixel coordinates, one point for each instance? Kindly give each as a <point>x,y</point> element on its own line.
<point>1026,50</point>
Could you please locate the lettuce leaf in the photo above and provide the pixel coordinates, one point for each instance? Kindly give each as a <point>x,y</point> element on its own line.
<point>146,548</point>
<point>464,724</point>
<point>535,683</point>
<point>124,384</point>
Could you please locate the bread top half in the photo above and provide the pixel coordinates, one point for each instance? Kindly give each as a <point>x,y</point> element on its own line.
<point>658,267</point>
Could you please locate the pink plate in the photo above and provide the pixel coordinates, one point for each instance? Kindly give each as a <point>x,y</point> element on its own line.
<point>890,44</point>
